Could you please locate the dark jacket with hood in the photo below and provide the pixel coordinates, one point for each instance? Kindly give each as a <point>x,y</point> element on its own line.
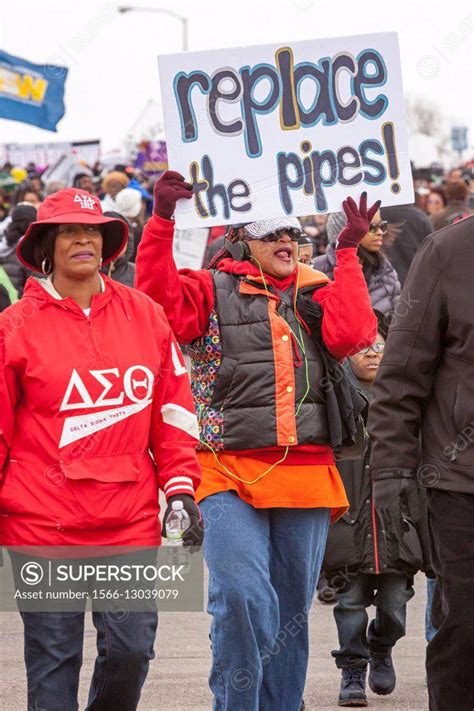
<point>381,278</point>
<point>358,542</point>
<point>22,216</point>
<point>122,270</point>
<point>4,298</point>
<point>17,273</point>
<point>413,226</point>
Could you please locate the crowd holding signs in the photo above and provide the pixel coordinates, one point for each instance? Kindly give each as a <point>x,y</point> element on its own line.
<point>47,153</point>
<point>286,129</point>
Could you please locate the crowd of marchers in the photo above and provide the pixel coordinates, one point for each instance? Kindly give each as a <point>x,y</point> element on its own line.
<point>321,441</point>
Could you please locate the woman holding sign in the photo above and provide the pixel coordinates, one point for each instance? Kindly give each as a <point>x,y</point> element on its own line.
<point>264,334</point>
<point>381,277</point>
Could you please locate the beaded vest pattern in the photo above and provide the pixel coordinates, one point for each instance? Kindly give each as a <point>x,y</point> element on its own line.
<point>205,354</point>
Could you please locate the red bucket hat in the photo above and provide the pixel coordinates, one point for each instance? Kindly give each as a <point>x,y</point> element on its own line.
<point>72,206</point>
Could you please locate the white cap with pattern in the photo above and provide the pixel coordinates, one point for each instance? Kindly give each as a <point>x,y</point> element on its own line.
<point>262,228</point>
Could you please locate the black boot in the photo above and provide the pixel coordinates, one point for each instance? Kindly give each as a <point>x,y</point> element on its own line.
<point>382,677</point>
<point>352,691</point>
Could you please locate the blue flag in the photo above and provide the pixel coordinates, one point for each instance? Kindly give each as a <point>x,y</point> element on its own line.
<point>31,93</point>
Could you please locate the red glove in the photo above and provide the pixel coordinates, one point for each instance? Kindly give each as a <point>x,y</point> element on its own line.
<point>168,189</point>
<point>358,221</point>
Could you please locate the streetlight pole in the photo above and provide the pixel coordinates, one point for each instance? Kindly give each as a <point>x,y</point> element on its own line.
<point>163,11</point>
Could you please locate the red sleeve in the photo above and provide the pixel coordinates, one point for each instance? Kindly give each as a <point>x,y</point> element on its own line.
<point>187,296</point>
<point>174,429</point>
<point>9,396</point>
<point>349,323</point>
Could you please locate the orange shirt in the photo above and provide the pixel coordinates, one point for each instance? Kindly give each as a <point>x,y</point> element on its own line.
<point>284,485</point>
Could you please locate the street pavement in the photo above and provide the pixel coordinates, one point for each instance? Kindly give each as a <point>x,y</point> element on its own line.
<point>178,676</point>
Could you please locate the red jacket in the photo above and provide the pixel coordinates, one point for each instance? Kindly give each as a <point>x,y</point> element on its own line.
<point>188,296</point>
<point>96,415</point>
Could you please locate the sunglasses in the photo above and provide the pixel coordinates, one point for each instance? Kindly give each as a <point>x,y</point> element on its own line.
<point>375,347</point>
<point>374,227</point>
<point>292,233</point>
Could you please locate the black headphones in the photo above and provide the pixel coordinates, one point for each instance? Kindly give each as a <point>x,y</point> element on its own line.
<point>238,250</point>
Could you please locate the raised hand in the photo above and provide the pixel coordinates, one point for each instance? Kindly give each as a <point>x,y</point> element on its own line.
<point>358,221</point>
<point>170,188</point>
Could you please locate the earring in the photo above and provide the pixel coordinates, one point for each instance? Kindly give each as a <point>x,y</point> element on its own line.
<point>100,263</point>
<point>46,266</point>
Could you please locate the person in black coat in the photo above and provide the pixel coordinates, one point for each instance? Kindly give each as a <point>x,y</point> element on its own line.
<point>413,226</point>
<point>368,562</point>
<point>380,276</point>
<point>421,428</point>
<point>21,217</point>
<point>122,269</point>
<point>4,298</point>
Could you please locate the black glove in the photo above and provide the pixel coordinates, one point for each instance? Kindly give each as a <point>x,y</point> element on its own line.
<point>194,535</point>
<point>395,498</point>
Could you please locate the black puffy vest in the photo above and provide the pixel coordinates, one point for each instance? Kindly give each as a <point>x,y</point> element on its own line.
<point>254,387</point>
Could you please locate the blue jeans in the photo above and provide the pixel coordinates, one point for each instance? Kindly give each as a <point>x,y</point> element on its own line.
<point>53,657</point>
<point>389,593</point>
<point>263,568</point>
<point>430,629</point>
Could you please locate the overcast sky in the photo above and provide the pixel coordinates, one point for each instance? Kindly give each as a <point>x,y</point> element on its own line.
<point>112,57</point>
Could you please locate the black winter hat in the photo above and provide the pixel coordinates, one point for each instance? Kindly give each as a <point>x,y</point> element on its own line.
<point>24,212</point>
<point>21,218</point>
<point>384,321</point>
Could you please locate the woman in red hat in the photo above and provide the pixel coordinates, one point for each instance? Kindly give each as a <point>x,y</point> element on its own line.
<point>96,415</point>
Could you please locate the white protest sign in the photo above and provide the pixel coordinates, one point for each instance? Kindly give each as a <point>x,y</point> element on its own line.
<point>286,129</point>
<point>189,247</point>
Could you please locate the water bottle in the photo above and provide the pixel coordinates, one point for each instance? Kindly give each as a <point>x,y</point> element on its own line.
<point>178,521</point>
